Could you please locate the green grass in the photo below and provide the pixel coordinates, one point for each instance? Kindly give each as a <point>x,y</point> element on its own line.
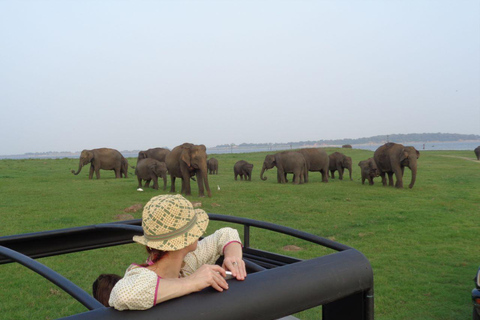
<point>421,242</point>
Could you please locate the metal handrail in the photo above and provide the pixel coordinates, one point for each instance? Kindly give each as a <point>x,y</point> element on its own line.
<point>135,227</point>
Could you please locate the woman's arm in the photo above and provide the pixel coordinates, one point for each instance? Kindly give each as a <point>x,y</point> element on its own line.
<point>233,260</point>
<point>206,276</point>
<point>210,249</point>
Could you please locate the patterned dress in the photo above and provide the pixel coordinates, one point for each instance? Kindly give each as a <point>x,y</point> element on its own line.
<point>137,290</point>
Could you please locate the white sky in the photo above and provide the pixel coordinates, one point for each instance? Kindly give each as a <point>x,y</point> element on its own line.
<point>141,74</point>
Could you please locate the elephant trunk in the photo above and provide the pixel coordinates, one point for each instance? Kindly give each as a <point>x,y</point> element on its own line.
<point>80,165</point>
<point>261,173</point>
<point>202,180</point>
<point>413,167</point>
<point>205,179</point>
<point>164,177</point>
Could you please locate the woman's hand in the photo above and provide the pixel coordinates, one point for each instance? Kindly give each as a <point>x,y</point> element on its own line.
<point>233,260</point>
<point>208,276</point>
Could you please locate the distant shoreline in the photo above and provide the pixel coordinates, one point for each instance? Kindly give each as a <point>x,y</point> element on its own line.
<point>425,146</point>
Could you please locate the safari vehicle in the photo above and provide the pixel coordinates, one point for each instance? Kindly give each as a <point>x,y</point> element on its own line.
<point>277,285</point>
<point>476,297</point>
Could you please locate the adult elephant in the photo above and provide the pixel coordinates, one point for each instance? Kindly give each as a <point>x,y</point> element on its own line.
<point>286,162</point>
<point>243,168</point>
<point>477,152</point>
<point>102,158</point>
<point>392,158</point>
<point>339,162</point>
<point>212,165</point>
<point>149,169</point>
<point>185,161</point>
<point>317,160</point>
<point>369,170</point>
<point>158,154</point>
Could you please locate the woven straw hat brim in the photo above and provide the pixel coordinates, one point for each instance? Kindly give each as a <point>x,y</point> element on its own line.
<point>183,240</point>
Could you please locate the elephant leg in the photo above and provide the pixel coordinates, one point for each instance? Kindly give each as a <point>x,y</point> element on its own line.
<point>139,182</point>
<point>332,174</point>
<point>172,187</point>
<point>97,173</point>
<point>399,176</point>
<point>147,182</point>
<point>164,182</point>
<point>155,182</point>
<point>340,173</point>
<point>384,179</point>
<point>236,176</point>
<point>324,173</point>
<point>390,179</point>
<point>186,183</point>
<point>118,173</point>
<point>90,173</point>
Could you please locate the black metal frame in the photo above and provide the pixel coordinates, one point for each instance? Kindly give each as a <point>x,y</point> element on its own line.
<point>342,282</point>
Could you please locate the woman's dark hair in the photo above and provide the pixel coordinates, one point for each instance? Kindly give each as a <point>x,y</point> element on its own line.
<point>102,287</point>
<point>153,256</point>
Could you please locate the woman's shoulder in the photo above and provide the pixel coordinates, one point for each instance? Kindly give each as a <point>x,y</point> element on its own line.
<point>135,268</point>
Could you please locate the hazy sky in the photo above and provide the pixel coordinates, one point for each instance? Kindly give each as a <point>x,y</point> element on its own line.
<point>141,74</point>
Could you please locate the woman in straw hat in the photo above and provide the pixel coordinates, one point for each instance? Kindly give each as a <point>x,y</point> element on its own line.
<point>178,264</point>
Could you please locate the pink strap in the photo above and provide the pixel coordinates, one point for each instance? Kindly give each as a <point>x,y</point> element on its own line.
<point>223,250</point>
<point>156,290</point>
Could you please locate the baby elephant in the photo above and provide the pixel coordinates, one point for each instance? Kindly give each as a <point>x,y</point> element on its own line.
<point>369,170</point>
<point>212,166</point>
<point>149,169</point>
<point>243,168</point>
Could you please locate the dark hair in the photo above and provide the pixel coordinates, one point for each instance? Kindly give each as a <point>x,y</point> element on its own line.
<point>154,255</point>
<point>102,287</point>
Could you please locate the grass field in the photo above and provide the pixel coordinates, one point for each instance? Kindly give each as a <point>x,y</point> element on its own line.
<point>421,242</point>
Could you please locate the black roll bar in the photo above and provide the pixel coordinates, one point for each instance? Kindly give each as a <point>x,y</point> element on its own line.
<point>347,285</point>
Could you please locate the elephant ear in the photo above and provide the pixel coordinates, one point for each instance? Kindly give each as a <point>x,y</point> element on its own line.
<point>418,153</point>
<point>89,156</point>
<point>403,155</point>
<point>186,156</point>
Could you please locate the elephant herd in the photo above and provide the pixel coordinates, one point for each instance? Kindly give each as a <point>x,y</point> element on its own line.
<point>189,162</point>
<point>184,161</point>
<point>389,159</point>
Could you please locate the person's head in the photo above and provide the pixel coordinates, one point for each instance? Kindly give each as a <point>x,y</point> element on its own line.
<point>170,223</point>
<point>102,287</point>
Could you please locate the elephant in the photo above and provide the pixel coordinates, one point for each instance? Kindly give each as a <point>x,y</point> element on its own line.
<point>124,169</point>
<point>150,169</point>
<point>102,158</point>
<point>392,158</point>
<point>243,168</point>
<point>158,154</point>
<point>369,170</point>
<point>212,165</point>
<point>286,162</point>
<point>347,146</point>
<point>339,162</point>
<point>317,160</point>
<point>477,152</point>
<point>185,161</point>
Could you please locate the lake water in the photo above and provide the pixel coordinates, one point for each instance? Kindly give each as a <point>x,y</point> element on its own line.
<point>455,145</point>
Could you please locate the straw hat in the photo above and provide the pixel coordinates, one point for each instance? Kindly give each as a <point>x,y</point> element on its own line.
<point>171,223</point>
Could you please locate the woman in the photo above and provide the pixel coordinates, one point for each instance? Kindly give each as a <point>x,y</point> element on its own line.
<point>178,264</point>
